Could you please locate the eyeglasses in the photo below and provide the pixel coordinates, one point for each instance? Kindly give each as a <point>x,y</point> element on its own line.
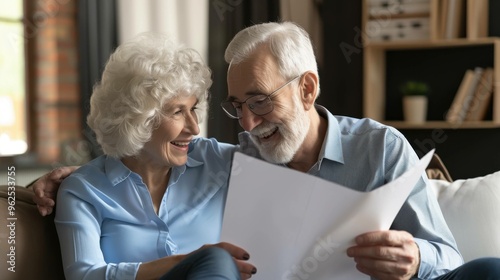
<point>259,104</point>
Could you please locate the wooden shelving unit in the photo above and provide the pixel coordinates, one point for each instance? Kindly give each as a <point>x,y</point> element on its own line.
<point>375,69</point>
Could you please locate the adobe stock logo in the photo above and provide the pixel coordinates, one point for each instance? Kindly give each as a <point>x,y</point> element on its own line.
<point>323,249</point>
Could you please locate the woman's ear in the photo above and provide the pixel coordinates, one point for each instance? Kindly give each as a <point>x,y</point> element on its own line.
<point>309,89</point>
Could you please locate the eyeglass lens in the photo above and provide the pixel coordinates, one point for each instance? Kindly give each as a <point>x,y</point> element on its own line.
<point>258,104</point>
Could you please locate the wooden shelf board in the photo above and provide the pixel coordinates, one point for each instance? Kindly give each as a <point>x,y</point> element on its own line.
<point>422,44</point>
<point>442,125</point>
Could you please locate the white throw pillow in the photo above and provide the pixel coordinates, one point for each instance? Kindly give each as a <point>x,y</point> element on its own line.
<point>472,210</point>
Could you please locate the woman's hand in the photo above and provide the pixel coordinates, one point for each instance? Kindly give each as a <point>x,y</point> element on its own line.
<point>240,257</point>
<point>158,268</point>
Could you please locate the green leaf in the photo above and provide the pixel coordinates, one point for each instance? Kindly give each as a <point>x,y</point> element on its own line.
<point>414,88</point>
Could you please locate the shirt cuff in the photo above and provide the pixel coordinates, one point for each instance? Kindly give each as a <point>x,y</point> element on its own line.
<point>122,271</point>
<point>427,258</point>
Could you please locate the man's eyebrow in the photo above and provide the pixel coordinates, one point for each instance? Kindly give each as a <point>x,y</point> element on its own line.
<point>248,94</point>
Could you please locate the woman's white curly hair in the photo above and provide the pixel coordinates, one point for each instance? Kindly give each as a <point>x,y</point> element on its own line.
<point>140,77</point>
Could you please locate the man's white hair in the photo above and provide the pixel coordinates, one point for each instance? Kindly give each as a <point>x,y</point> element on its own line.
<point>289,44</point>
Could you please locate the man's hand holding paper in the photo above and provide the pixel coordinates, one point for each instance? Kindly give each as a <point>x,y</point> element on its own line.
<point>386,254</point>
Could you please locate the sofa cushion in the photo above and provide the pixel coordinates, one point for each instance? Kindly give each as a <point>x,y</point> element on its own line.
<point>471,208</point>
<point>33,238</point>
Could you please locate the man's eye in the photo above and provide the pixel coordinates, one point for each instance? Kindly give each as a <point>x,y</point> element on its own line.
<point>258,101</point>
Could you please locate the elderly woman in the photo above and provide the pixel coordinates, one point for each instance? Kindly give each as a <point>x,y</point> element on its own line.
<point>146,207</point>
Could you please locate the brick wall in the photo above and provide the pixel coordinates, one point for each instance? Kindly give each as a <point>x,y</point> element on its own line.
<point>55,98</point>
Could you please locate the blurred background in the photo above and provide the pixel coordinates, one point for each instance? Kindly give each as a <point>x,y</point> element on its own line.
<point>53,51</point>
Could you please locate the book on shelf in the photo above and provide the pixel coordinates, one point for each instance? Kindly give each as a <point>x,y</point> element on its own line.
<point>481,98</point>
<point>451,19</point>
<point>477,18</point>
<point>443,15</point>
<point>455,19</point>
<point>462,100</point>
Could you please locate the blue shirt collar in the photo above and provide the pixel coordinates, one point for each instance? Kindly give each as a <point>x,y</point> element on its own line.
<point>117,172</point>
<point>332,144</point>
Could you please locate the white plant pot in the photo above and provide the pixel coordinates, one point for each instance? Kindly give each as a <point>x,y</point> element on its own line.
<point>415,108</point>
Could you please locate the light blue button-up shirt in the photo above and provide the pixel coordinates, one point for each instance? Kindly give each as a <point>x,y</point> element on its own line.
<point>363,155</point>
<point>107,225</point>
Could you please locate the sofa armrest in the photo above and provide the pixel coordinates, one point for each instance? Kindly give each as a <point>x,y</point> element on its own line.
<point>29,240</point>
<point>437,170</point>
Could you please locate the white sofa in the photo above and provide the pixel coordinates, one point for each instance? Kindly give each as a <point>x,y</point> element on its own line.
<point>471,208</point>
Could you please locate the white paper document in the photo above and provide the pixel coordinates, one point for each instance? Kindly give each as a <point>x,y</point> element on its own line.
<point>297,226</point>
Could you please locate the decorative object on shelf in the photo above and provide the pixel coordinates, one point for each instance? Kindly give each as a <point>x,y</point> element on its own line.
<point>415,101</point>
<point>398,20</point>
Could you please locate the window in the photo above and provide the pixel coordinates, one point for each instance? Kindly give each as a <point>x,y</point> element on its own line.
<point>13,128</point>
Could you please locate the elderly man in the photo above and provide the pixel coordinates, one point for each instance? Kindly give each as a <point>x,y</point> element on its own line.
<point>273,83</point>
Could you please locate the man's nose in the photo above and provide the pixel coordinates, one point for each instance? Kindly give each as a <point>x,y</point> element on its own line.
<point>249,120</point>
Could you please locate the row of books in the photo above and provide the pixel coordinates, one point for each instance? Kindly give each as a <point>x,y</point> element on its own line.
<point>462,18</point>
<point>473,96</point>
<point>395,20</point>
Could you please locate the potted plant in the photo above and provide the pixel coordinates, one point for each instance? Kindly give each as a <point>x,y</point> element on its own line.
<point>415,101</point>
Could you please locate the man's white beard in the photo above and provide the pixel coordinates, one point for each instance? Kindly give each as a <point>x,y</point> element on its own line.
<point>292,133</point>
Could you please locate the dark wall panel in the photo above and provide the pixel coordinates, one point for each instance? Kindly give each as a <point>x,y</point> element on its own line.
<point>341,74</point>
<point>467,153</point>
